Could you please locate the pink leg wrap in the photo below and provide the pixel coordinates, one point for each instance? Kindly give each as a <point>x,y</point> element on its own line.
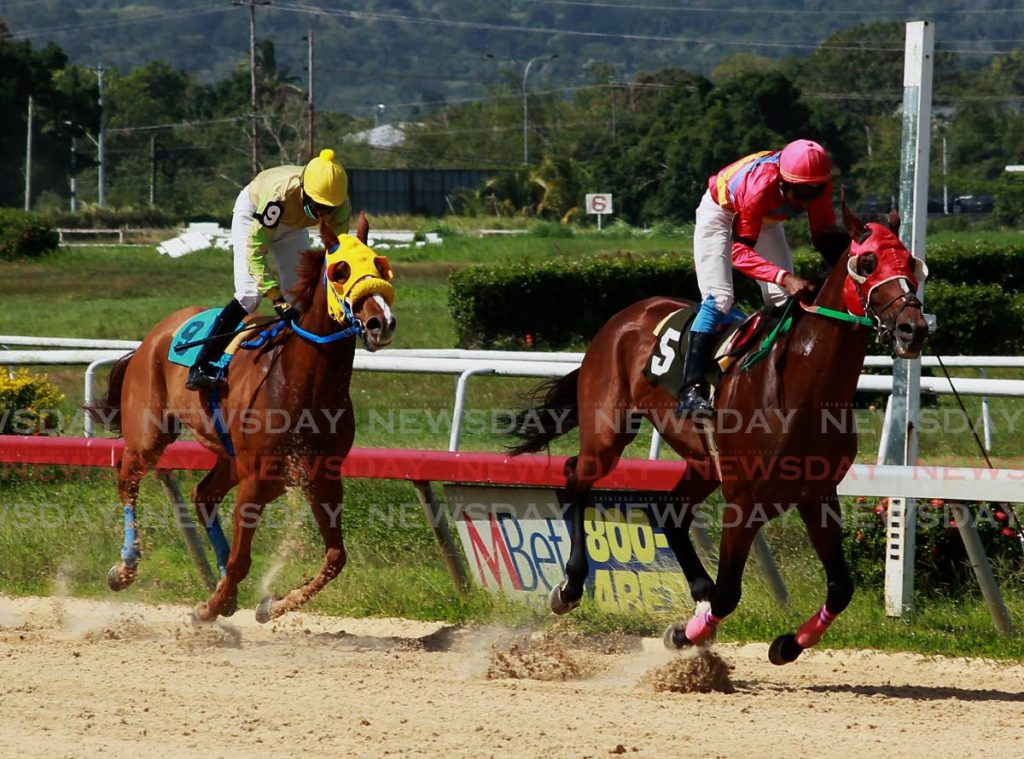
<point>701,627</point>
<point>813,629</point>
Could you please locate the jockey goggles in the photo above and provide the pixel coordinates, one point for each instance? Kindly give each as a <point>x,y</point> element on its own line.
<point>805,192</point>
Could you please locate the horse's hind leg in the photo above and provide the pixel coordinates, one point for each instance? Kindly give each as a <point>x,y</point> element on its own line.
<point>325,499</point>
<point>825,529</point>
<point>134,465</point>
<point>599,452</point>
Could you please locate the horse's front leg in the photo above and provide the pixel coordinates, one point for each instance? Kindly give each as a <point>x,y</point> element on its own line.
<point>253,495</point>
<point>325,500</point>
<point>824,524</point>
<point>740,523</point>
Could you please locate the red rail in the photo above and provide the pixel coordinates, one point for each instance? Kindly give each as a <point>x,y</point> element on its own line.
<point>372,463</point>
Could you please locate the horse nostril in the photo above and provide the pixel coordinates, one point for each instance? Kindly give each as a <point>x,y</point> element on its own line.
<point>373,324</point>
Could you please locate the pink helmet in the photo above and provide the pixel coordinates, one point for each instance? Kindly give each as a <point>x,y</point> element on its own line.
<point>805,162</point>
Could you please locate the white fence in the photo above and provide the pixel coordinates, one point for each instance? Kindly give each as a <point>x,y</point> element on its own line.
<point>948,483</point>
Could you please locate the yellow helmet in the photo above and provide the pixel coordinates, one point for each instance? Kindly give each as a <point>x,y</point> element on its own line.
<point>325,181</point>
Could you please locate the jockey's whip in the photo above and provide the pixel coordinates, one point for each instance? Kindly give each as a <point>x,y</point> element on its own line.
<point>981,447</point>
<point>250,328</point>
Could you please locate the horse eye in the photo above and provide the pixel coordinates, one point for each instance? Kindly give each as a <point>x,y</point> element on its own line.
<point>341,272</point>
<point>383,267</point>
<point>866,264</point>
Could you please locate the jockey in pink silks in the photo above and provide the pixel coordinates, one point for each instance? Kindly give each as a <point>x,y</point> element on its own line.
<point>739,224</point>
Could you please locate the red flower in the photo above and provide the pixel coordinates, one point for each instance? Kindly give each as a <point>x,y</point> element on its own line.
<point>859,535</point>
<point>862,499</point>
<point>937,503</point>
<point>952,523</point>
<point>1008,532</point>
<point>1000,516</point>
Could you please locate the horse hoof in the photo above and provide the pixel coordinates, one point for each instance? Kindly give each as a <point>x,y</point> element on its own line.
<point>558,604</point>
<point>675,637</point>
<point>230,607</point>
<point>263,614</point>
<point>200,615</point>
<point>784,649</point>
<point>120,577</point>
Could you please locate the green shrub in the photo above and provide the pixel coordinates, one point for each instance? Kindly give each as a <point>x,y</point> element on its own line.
<point>560,304</point>
<point>975,320</point>
<point>105,217</point>
<point>25,235</point>
<point>28,404</point>
<point>941,565</point>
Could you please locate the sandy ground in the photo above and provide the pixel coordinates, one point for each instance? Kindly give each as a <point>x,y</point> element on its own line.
<point>83,678</point>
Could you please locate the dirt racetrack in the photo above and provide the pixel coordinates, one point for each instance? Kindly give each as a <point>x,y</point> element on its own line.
<point>83,678</point>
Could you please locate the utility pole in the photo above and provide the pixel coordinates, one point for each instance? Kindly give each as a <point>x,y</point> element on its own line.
<point>312,107</point>
<point>74,170</point>
<point>254,104</point>
<point>152,169</point>
<point>526,110</point>
<point>100,143</point>
<point>28,158</point>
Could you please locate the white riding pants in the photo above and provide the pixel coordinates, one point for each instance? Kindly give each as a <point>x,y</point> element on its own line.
<point>285,250</point>
<point>712,255</point>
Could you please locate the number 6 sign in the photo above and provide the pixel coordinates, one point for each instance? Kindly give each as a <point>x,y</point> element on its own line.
<point>599,203</point>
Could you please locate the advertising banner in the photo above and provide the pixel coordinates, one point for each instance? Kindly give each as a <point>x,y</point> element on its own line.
<point>516,542</point>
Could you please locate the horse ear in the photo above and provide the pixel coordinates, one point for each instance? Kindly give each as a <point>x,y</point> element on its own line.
<point>854,226</point>
<point>327,236</point>
<point>362,228</point>
<point>894,221</point>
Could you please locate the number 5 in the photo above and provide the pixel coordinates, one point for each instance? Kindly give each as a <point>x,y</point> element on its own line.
<point>662,361</point>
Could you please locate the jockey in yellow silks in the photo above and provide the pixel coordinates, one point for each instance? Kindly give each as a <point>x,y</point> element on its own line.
<point>271,215</point>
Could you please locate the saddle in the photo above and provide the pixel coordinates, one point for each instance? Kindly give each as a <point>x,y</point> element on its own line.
<point>198,328</point>
<point>664,367</point>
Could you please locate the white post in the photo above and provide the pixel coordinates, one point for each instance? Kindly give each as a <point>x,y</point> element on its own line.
<point>101,190</point>
<point>902,442</point>
<point>28,158</point>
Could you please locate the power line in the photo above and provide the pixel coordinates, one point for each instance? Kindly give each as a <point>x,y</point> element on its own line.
<point>494,27</point>
<point>179,13</point>
<point>719,10</point>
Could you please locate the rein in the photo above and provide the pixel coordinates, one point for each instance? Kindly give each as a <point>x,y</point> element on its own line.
<point>355,328</point>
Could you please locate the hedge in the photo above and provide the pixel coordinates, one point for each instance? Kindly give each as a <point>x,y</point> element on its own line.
<point>105,217</point>
<point>25,235</point>
<point>562,304</point>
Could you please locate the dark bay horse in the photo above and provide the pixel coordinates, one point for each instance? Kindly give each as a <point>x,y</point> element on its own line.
<point>794,442</point>
<point>285,418</point>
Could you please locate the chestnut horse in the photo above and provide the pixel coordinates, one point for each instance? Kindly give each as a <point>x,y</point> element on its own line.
<point>796,394</point>
<point>285,418</point>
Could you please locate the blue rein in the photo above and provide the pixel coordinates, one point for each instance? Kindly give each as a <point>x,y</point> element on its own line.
<point>356,329</point>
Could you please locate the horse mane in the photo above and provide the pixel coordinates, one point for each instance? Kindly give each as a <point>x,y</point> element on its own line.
<point>310,270</point>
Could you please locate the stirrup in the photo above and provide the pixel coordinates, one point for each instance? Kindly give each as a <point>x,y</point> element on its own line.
<point>204,378</point>
<point>691,401</point>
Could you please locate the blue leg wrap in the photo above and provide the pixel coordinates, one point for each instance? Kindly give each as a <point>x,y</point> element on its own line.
<point>220,544</point>
<point>130,549</point>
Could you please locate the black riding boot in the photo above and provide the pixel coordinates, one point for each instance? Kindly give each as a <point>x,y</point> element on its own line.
<point>692,398</point>
<point>203,374</point>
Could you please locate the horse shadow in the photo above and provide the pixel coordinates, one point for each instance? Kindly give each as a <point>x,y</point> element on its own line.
<point>912,692</point>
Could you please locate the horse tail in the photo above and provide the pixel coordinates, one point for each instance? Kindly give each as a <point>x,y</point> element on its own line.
<point>108,410</point>
<point>551,418</point>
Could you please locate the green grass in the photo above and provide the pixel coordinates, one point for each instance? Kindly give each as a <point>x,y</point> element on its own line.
<point>69,530</point>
